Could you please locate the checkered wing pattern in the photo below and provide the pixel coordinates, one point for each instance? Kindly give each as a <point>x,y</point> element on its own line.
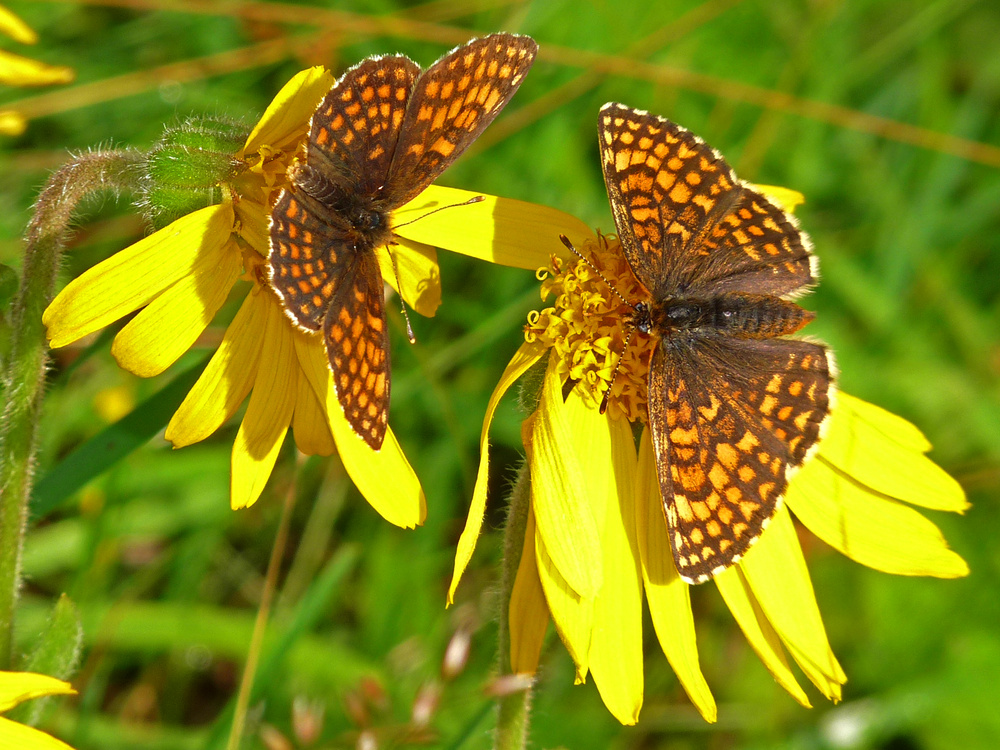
<point>453,102</point>
<point>726,436</point>
<point>355,129</point>
<point>357,345</point>
<point>688,224</point>
<point>306,259</point>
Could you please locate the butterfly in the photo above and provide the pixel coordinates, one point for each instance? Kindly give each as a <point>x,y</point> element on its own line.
<point>382,134</point>
<point>734,406</point>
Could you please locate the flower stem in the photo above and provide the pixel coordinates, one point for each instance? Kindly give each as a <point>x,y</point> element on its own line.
<point>23,374</point>
<point>513,708</point>
<point>263,613</point>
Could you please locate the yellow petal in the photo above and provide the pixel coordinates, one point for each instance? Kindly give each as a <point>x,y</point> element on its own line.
<point>523,359</point>
<point>616,643</point>
<point>573,616</point>
<point>228,378</point>
<point>885,452</point>
<point>168,326</point>
<point>668,596</point>
<point>268,414</point>
<point>783,197</point>
<point>132,278</point>
<point>287,117</point>
<point>14,735</point>
<point>418,273</point>
<point>12,26</point>
<point>868,527</point>
<point>758,631</point>
<point>500,230</point>
<point>529,615</point>
<point>254,225</point>
<point>23,71</point>
<point>570,438</point>
<point>16,687</point>
<point>384,477</point>
<point>12,123</point>
<point>309,425</point>
<point>776,571</point>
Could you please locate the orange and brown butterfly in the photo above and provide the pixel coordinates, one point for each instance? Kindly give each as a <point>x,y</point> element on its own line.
<point>734,405</point>
<point>383,133</point>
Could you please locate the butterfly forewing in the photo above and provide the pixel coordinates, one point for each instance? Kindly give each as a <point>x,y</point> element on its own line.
<point>356,127</point>
<point>453,102</point>
<point>692,225</point>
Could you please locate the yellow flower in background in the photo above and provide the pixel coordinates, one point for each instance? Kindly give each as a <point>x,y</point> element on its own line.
<point>596,539</point>
<point>181,275</point>
<point>17,687</point>
<point>22,71</point>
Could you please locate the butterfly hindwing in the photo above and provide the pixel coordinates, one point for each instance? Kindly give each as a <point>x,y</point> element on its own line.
<point>357,345</point>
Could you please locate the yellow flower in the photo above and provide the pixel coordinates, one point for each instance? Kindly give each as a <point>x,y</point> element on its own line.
<point>22,71</point>
<point>16,687</point>
<point>182,274</point>
<point>596,539</point>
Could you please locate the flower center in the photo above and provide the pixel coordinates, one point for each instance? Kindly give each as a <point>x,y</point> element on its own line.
<point>588,323</point>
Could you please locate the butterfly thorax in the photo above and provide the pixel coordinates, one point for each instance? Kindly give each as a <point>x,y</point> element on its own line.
<point>368,224</point>
<point>749,316</point>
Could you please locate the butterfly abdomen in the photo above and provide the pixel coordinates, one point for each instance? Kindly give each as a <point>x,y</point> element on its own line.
<point>752,316</point>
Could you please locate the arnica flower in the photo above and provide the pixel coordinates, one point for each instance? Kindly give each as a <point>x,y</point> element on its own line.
<point>16,70</point>
<point>596,539</point>
<point>181,275</point>
<point>17,687</point>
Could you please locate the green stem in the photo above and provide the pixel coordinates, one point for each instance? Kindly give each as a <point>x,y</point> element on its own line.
<point>512,708</point>
<point>24,371</point>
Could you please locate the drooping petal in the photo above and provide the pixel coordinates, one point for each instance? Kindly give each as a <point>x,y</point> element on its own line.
<point>168,326</point>
<point>529,615</point>
<point>16,687</point>
<point>268,414</point>
<point>869,527</point>
<point>419,274</point>
<point>287,117</point>
<point>14,735</point>
<point>134,277</point>
<point>668,596</point>
<point>227,379</point>
<point>384,477</point>
<point>776,571</point>
<point>616,643</point>
<point>761,636</point>
<point>523,359</point>
<point>573,615</point>
<point>23,71</point>
<point>886,453</point>
<point>309,426</point>
<point>570,439</point>
<point>499,230</point>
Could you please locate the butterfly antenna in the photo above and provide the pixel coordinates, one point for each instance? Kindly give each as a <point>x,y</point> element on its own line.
<point>581,256</point>
<point>631,328</point>
<point>474,199</point>
<point>618,364</point>
<point>402,304</point>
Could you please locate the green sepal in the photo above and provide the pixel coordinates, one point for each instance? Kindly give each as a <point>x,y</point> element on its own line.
<point>186,169</point>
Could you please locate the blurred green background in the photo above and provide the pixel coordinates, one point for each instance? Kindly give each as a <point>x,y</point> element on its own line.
<point>884,114</point>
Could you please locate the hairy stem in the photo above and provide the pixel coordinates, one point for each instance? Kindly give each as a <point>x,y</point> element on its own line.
<point>512,708</point>
<point>24,371</point>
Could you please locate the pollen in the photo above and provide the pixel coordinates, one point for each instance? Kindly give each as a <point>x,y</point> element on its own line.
<point>587,324</point>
